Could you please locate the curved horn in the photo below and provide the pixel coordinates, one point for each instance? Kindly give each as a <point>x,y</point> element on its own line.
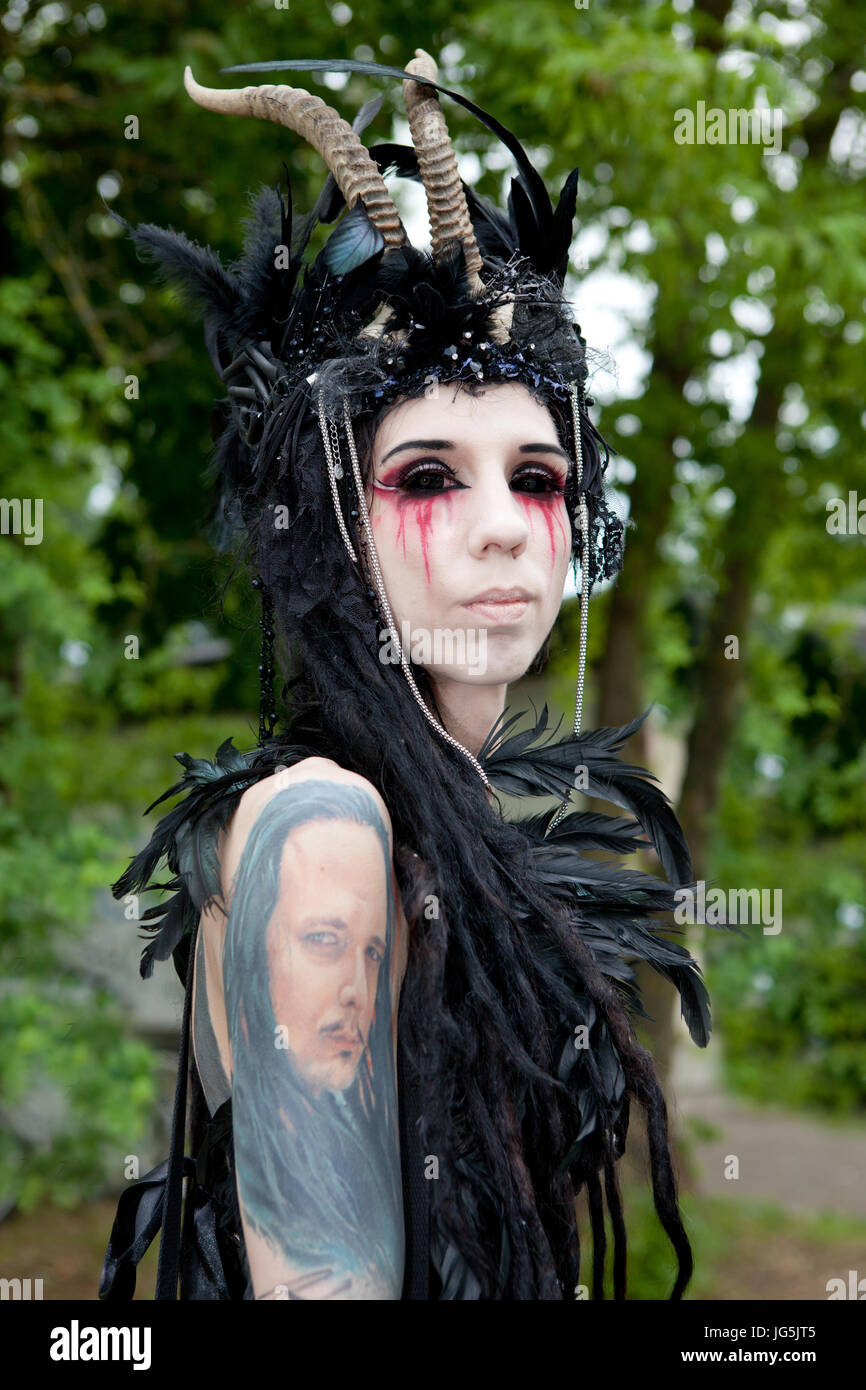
<point>446,201</point>
<point>355,171</point>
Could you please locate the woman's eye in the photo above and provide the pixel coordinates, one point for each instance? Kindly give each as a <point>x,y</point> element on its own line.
<point>426,479</point>
<point>540,482</point>
<point>432,476</point>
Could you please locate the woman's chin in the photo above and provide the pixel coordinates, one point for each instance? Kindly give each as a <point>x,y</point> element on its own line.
<point>492,673</point>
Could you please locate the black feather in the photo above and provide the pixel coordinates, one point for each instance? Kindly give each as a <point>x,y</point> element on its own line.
<point>494,231</point>
<point>397,159</point>
<point>529,236</point>
<point>268,286</point>
<point>196,270</point>
<point>614,905</point>
<point>562,229</point>
<point>550,767</point>
<point>187,839</point>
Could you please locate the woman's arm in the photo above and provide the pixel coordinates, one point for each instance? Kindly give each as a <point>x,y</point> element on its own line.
<point>313,958</point>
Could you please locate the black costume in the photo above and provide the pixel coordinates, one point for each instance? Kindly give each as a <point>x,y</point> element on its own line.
<point>368,321</point>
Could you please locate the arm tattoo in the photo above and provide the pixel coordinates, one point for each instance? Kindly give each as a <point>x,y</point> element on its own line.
<point>308,984</point>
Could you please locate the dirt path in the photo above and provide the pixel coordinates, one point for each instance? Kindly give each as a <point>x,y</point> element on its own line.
<point>804,1165</point>
<point>802,1162</point>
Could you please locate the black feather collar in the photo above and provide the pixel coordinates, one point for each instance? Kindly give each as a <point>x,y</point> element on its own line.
<point>614,908</point>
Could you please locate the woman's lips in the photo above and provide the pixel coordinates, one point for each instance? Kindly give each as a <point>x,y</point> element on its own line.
<point>500,610</point>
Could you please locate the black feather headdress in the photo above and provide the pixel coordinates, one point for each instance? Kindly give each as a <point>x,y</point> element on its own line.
<point>371,317</point>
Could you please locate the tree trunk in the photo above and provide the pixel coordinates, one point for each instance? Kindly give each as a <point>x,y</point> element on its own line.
<point>717,693</point>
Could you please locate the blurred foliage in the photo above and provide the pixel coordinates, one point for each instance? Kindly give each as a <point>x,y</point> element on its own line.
<point>736,261</point>
<point>792,817</point>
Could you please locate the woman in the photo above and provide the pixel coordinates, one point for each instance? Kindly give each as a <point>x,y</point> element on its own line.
<point>411,1020</point>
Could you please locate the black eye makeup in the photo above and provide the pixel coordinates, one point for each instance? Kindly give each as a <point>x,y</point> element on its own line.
<point>420,476</point>
<point>431,475</point>
<point>540,480</point>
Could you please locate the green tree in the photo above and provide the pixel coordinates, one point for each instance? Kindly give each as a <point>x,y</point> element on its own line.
<point>742,264</point>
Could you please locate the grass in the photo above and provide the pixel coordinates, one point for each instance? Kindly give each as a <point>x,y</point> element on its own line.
<point>743,1249</point>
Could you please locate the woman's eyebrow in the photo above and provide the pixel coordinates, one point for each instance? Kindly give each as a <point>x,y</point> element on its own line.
<point>545,448</point>
<point>420,444</point>
<point>448,444</point>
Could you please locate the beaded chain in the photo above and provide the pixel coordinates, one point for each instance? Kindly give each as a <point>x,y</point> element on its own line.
<point>331,442</point>
<point>267,712</point>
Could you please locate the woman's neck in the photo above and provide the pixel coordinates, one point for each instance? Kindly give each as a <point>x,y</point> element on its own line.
<point>468,711</point>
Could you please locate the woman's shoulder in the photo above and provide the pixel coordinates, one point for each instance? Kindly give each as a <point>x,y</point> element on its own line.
<point>256,799</point>
<point>313,768</point>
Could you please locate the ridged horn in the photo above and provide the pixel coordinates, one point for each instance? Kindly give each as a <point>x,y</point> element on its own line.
<point>446,201</point>
<point>355,171</point>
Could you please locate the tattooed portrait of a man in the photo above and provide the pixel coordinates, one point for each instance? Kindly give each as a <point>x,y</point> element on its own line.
<point>308,976</point>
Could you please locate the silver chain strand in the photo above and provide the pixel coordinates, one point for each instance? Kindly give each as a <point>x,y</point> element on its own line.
<point>386,607</point>
<point>332,456</point>
<point>582,518</point>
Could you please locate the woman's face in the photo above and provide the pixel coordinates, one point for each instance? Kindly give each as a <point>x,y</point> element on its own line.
<point>467,496</point>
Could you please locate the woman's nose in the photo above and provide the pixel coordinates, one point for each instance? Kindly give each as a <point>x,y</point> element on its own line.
<point>496,518</point>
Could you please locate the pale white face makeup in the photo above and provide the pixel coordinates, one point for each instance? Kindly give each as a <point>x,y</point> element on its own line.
<point>467,497</point>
